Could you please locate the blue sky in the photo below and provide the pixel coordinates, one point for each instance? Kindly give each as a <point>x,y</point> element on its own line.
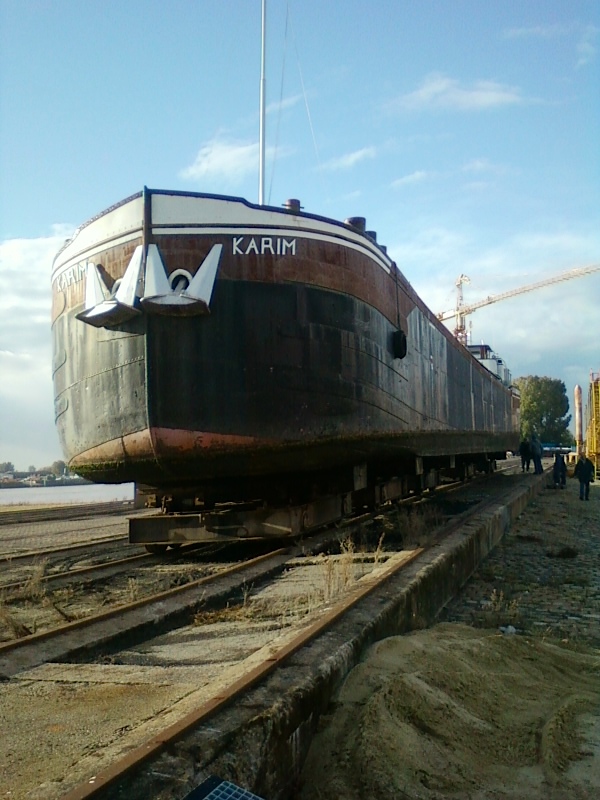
<point>466,132</point>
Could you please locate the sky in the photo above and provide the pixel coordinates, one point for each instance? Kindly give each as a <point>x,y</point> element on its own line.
<point>466,132</point>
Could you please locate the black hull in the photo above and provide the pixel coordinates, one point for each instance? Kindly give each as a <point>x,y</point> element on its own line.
<point>282,377</point>
<point>314,388</point>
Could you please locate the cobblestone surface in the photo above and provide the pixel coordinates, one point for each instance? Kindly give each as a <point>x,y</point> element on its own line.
<point>544,577</point>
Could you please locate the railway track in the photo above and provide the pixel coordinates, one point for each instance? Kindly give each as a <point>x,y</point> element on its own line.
<point>108,632</point>
<point>86,574</point>
<point>24,515</point>
<point>75,637</point>
<point>42,591</point>
<point>47,539</point>
<point>10,560</point>
<point>57,532</point>
<point>60,572</point>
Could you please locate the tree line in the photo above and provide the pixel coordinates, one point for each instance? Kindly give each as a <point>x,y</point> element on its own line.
<point>57,468</point>
<point>545,410</point>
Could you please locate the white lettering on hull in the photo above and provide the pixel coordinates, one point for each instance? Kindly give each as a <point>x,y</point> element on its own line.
<point>70,276</point>
<point>241,246</point>
<point>276,246</point>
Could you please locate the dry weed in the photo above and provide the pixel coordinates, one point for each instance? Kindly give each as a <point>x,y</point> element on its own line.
<point>499,610</point>
<point>16,628</point>
<point>333,576</point>
<point>379,549</point>
<point>34,588</point>
<point>133,590</point>
<point>337,572</point>
<point>413,525</point>
<point>228,614</point>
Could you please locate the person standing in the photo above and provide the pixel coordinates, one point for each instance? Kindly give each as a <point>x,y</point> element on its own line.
<point>536,454</point>
<point>525,454</point>
<point>584,472</point>
<point>559,471</point>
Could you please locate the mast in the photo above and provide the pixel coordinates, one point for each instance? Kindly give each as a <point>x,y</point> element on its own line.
<point>261,135</point>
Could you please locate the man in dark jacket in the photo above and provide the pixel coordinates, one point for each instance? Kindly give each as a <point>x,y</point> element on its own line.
<point>536,454</point>
<point>584,471</point>
<point>559,471</point>
<point>525,454</point>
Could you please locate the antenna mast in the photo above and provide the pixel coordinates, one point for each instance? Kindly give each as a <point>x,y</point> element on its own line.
<point>261,134</point>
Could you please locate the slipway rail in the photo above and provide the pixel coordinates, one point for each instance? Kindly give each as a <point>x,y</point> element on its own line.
<point>96,784</point>
<point>84,634</point>
<point>105,778</point>
<point>11,516</point>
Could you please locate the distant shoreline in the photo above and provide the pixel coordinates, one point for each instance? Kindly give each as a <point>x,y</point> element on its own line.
<point>76,490</point>
<point>53,484</point>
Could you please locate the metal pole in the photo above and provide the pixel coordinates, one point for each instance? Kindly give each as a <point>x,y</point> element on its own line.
<point>578,420</point>
<point>261,135</point>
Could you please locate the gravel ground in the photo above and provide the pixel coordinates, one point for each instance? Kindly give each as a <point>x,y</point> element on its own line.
<point>544,578</point>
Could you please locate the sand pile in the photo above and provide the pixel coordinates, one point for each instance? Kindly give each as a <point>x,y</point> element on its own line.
<point>456,712</point>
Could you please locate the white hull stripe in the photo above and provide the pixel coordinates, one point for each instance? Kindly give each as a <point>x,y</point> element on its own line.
<point>229,231</point>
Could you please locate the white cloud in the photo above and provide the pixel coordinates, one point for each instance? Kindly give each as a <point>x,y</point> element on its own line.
<point>433,248</point>
<point>228,161</point>
<point>476,165</point>
<point>540,31</point>
<point>350,159</point>
<point>27,433</point>
<point>534,331</point>
<point>25,267</point>
<point>438,91</point>
<point>586,37</point>
<point>219,158</point>
<point>586,46</point>
<point>280,105</point>
<point>567,249</point>
<point>537,332</point>
<point>477,186</point>
<point>479,165</point>
<point>415,177</point>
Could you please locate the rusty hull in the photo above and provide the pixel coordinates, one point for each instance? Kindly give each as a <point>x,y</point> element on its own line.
<point>292,371</point>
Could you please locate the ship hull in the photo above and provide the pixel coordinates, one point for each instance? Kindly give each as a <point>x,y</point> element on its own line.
<point>292,367</point>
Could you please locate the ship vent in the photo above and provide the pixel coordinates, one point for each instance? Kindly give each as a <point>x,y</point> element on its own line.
<point>293,204</point>
<point>372,235</point>
<point>360,223</point>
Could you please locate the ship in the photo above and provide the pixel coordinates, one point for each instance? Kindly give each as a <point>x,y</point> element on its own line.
<point>212,350</point>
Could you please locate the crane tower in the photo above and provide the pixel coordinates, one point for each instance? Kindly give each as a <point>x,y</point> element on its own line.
<point>462,310</point>
<point>592,436</point>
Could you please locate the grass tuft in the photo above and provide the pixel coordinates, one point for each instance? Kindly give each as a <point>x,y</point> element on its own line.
<point>16,628</point>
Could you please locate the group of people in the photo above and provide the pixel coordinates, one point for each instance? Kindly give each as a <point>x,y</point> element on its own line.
<point>531,450</point>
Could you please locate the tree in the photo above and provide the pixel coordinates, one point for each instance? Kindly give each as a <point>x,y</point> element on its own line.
<point>7,466</point>
<point>58,468</point>
<point>544,409</point>
<point>30,469</point>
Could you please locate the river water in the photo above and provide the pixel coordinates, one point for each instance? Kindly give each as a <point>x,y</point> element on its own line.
<point>63,495</point>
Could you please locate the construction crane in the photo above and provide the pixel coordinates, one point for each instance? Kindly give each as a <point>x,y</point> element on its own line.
<point>462,310</point>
